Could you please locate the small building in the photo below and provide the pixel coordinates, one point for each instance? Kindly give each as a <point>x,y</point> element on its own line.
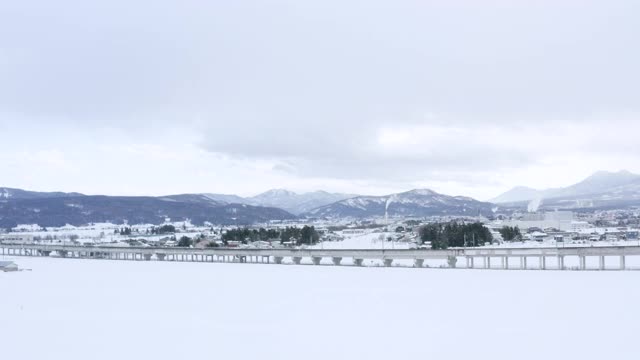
<point>16,238</point>
<point>7,266</point>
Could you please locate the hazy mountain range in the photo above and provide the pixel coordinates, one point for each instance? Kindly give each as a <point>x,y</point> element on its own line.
<point>598,190</point>
<point>414,203</point>
<point>601,190</point>
<point>58,209</point>
<point>285,199</point>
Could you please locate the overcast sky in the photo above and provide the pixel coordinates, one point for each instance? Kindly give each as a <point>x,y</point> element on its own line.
<point>173,96</point>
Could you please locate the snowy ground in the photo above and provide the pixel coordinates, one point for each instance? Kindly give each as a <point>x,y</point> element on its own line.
<point>364,241</point>
<point>91,309</point>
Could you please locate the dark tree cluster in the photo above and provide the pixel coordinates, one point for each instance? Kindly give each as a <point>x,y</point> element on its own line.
<point>185,241</point>
<point>164,229</point>
<point>305,235</point>
<point>445,235</point>
<point>511,233</point>
<point>123,231</point>
<point>246,235</point>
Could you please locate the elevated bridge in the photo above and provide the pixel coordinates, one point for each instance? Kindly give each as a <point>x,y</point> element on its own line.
<point>472,258</point>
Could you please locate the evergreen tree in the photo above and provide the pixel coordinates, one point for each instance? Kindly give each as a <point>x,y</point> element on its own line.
<point>185,242</point>
<point>445,235</point>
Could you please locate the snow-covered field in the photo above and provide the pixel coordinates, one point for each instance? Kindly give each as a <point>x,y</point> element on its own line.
<point>91,309</point>
<point>364,241</point>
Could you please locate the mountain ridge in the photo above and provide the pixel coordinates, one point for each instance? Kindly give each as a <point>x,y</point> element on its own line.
<point>59,209</point>
<point>598,185</point>
<point>295,203</point>
<point>416,202</point>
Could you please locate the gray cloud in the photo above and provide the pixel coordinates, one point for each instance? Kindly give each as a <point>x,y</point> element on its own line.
<point>321,88</point>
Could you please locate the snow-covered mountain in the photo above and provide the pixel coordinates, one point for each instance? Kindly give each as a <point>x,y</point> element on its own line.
<point>57,209</point>
<point>10,193</point>
<point>229,199</point>
<point>419,202</point>
<point>297,203</point>
<point>601,186</point>
<point>518,193</point>
<point>284,199</point>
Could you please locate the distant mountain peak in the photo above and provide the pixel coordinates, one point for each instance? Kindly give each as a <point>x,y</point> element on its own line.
<point>423,192</point>
<point>613,174</point>
<point>600,182</point>
<point>277,192</point>
<point>417,202</point>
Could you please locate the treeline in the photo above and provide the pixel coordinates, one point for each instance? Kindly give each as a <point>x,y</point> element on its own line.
<point>164,229</point>
<point>304,235</point>
<point>245,234</point>
<point>446,235</point>
<point>123,231</point>
<point>510,233</point>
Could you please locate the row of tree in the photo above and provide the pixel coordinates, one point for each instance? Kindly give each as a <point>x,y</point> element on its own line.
<point>304,235</point>
<point>161,230</point>
<point>125,231</point>
<point>164,229</point>
<point>245,234</point>
<point>453,234</point>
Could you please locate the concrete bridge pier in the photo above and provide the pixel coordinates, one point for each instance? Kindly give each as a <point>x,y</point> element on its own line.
<point>523,262</point>
<point>623,263</point>
<point>388,262</point>
<point>278,259</point>
<point>471,262</point>
<point>561,262</point>
<point>296,260</point>
<point>62,253</point>
<point>161,257</point>
<point>316,260</point>
<point>147,257</point>
<point>419,263</point>
<point>506,263</point>
<point>583,262</point>
<point>337,260</point>
<point>358,262</point>
<point>543,262</point>
<point>487,262</point>
<point>601,263</point>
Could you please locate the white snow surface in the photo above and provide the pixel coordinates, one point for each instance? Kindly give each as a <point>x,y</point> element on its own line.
<point>364,241</point>
<point>92,309</point>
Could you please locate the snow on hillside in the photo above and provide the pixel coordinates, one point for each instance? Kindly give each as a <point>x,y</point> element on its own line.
<point>104,310</point>
<point>4,194</point>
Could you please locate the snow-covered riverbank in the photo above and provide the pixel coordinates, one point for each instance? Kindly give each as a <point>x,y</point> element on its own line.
<point>80,309</point>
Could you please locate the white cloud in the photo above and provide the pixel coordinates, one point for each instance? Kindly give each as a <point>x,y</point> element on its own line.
<point>461,96</point>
